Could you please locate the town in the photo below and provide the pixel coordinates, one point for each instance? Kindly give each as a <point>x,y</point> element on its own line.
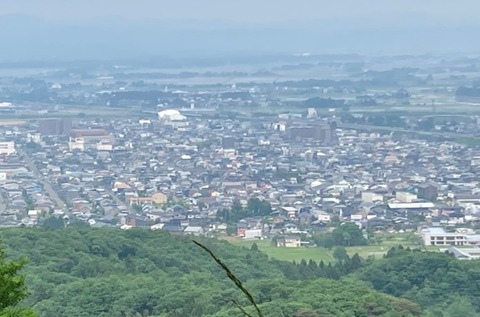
<point>246,161</point>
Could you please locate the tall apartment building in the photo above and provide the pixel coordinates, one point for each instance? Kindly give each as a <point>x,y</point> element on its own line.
<point>319,131</point>
<point>55,126</point>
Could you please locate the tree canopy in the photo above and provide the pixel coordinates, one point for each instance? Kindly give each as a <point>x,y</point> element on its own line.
<point>434,280</point>
<point>109,272</point>
<point>12,288</point>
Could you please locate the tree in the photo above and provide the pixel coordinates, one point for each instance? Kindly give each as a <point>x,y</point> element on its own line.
<point>461,307</point>
<point>12,288</point>
<point>53,222</point>
<point>254,247</point>
<point>231,229</point>
<point>348,234</point>
<point>340,254</point>
<point>356,262</point>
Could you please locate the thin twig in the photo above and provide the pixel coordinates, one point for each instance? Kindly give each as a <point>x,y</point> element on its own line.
<point>232,277</point>
<point>241,308</point>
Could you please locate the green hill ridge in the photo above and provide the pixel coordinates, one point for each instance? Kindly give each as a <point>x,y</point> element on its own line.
<point>107,272</point>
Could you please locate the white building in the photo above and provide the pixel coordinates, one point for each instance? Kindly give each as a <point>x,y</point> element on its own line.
<point>76,144</point>
<point>172,117</point>
<point>438,236</point>
<point>7,148</point>
<point>311,113</point>
<point>371,197</point>
<point>405,197</point>
<point>253,234</point>
<point>104,146</point>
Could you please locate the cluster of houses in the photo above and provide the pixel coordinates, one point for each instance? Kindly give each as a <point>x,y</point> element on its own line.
<point>174,172</point>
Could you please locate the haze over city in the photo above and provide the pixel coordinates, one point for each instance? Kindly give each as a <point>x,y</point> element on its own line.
<point>64,30</point>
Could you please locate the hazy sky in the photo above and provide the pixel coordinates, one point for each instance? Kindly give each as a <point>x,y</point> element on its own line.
<point>248,11</point>
<point>90,29</point>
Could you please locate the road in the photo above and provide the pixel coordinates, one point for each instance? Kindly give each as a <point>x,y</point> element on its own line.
<point>118,201</point>
<point>59,203</point>
<point>3,205</point>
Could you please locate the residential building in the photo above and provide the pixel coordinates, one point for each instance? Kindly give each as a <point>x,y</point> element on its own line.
<point>7,148</point>
<point>55,126</point>
<point>289,242</point>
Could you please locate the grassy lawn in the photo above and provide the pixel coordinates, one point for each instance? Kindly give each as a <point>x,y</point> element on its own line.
<point>288,254</point>
<point>321,254</point>
<point>388,241</point>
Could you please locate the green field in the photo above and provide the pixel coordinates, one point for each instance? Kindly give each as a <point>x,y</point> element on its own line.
<point>321,254</point>
<point>288,254</point>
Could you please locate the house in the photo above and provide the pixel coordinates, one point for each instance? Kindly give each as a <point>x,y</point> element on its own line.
<point>291,212</point>
<point>290,227</point>
<point>155,199</point>
<point>158,226</point>
<point>253,234</point>
<point>427,192</point>
<point>173,228</point>
<point>193,230</point>
<point>371,197</point>
<point>289,242</point>
<point>323,216</point>
<point>405,197</point>
<point>137,221</point>
<point>242,226</point>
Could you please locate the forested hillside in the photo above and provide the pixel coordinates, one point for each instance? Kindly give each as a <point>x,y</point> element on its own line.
<point>108,272</point>
<point>440,282</point>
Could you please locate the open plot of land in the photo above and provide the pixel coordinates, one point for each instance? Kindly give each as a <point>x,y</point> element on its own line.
<point>321,254</point>
<point>288,254</point>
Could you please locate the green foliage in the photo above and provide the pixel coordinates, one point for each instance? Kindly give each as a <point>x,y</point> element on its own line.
<point>12,288</point>
<point>346,234</point>
<point>255,207</point>
<point>340,254</point>
<point>323,297</point>
<point>234,279</point>
<point>110,272</point>
<point>53,222</point>
<point>429,278</point>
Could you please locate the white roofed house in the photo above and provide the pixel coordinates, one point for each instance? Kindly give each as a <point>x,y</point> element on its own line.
<point>193,230</point>
<point>290,211</point>
<point>253,234</point>
<point>289,242</point>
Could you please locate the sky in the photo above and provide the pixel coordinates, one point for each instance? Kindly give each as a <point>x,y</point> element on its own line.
<point>90,29</point>
<point>245,11</point>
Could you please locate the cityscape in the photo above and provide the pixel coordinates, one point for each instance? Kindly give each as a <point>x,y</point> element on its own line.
<point>216,158</point>
<point>181,158</point>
